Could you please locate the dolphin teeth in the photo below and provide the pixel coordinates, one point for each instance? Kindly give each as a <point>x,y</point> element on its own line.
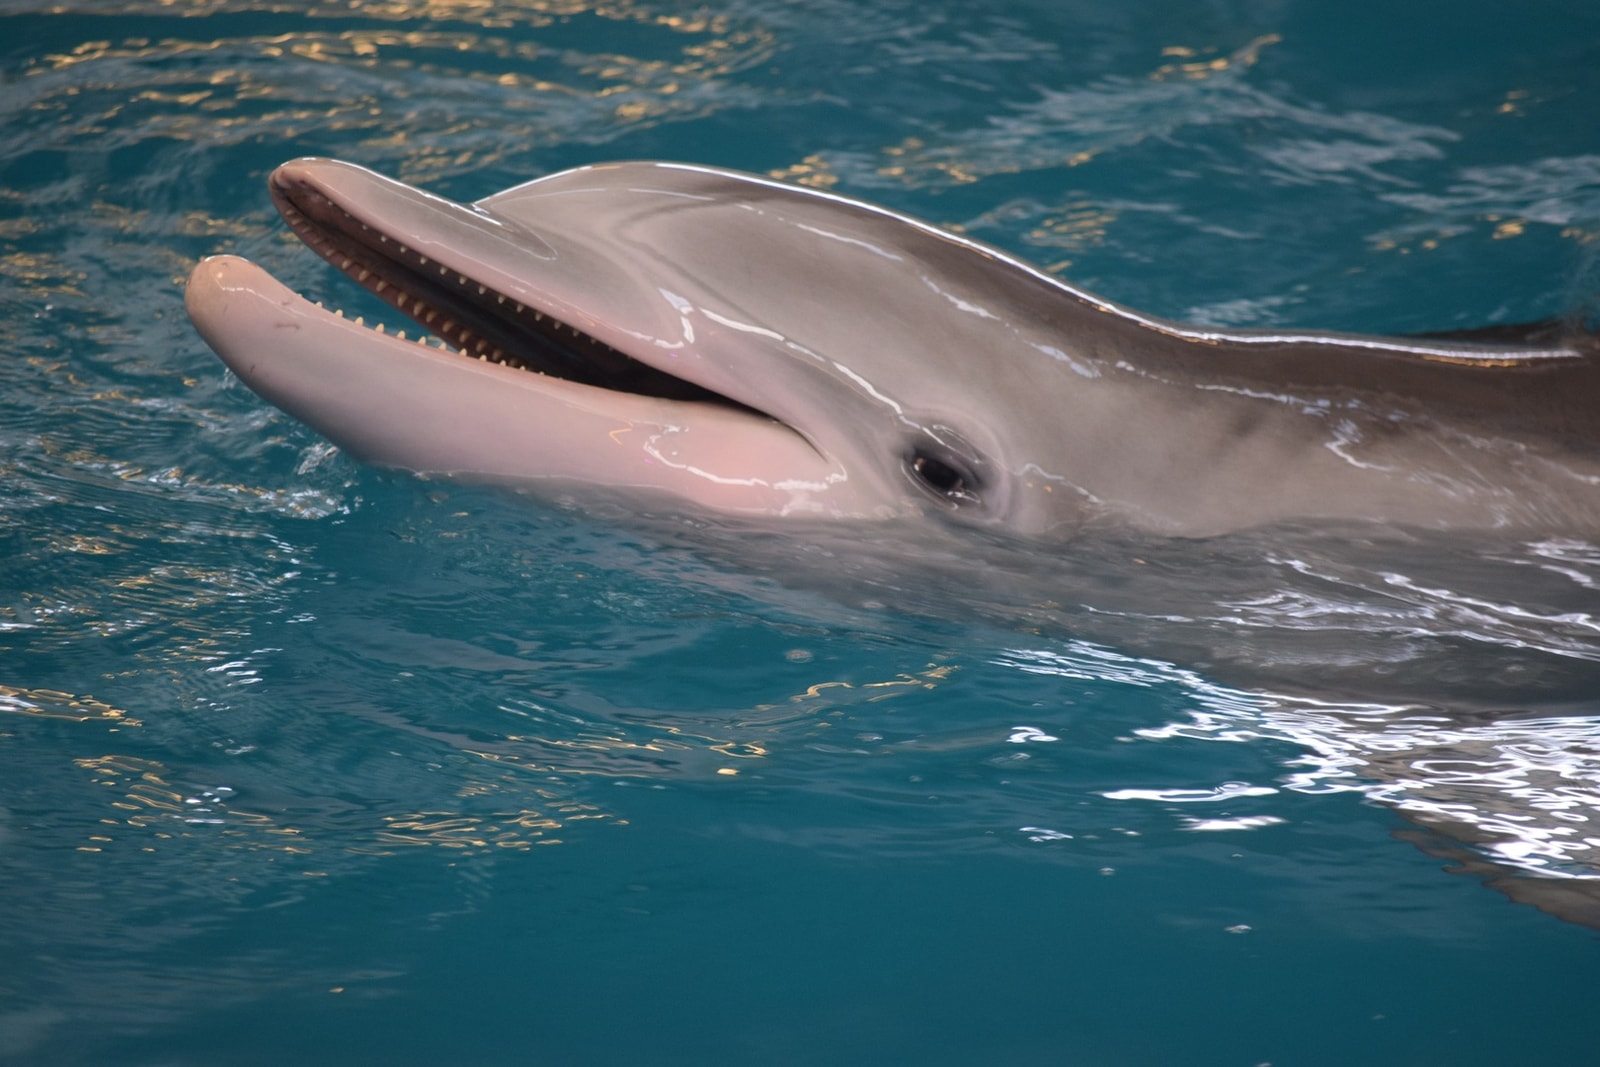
<point>481,289</point>
<point>382,285</point>
<point>423,260</point>
<point>364,275</point>
<point>443,270</point>
<point>361,320</point>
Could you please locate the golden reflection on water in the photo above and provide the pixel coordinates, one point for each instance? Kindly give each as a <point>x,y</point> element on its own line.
<point>520,830</point>
<point>410,88</point>
<point>814,171</point>
<point>1195,69</point>
<point>148,809</point>
<point>54,704</point>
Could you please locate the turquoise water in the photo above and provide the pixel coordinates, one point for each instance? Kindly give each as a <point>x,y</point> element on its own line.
<point>304,762</point>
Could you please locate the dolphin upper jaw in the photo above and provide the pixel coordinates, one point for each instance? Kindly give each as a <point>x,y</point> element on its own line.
<point>471,278</point>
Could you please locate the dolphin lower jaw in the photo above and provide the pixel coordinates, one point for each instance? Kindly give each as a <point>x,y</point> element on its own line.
<point>417,406</point>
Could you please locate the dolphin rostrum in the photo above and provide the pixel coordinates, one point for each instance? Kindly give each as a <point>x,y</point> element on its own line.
<point>755,348</point>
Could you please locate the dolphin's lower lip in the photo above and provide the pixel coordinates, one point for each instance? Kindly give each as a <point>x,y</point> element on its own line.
<point>465,313</point>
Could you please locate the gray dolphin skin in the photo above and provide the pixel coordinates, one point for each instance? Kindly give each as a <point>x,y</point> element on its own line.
<point>757,349</point>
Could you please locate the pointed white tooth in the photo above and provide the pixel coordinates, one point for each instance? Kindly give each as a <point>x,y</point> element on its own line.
<point>483,359</point>
<point>482,289</point>
<point>536,316</point>
<point>364,275</point>
<point>381,286</point>
<point>500,298</point>
<point>380,327</point>
<point>361,320</point>
<point>443,270</point>
<point>400,334</point>
<point>345,264</point>
<point>519,309</point>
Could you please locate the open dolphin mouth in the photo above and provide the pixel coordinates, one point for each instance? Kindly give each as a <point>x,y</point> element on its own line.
<point>467,314</point>
<point>549,359</point>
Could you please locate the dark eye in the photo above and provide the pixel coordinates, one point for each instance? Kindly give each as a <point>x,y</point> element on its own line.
<point>944,473</point>
<point>938,475</point>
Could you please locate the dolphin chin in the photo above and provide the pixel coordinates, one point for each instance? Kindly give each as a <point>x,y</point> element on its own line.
<point>758,349</point>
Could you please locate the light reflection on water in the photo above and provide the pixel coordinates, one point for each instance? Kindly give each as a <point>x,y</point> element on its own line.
<point>1530,786</point>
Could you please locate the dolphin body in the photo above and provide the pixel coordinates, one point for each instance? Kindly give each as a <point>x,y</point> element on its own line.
<point>720,341</point>
<point>753,348</point>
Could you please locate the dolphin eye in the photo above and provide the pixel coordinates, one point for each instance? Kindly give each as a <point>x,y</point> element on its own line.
<point>943,473</point>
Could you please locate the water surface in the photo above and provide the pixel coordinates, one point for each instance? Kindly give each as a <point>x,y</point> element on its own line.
<point>306,762</point>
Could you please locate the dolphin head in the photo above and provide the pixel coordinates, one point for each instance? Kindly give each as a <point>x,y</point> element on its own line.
<point>738,343</point>
<point>755,348</point>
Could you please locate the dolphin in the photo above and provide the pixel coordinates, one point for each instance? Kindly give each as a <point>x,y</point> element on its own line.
<point>728,343</point>
<point>734,343</point>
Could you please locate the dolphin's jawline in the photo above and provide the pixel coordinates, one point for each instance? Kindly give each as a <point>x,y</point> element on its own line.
<point>469,315</point>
